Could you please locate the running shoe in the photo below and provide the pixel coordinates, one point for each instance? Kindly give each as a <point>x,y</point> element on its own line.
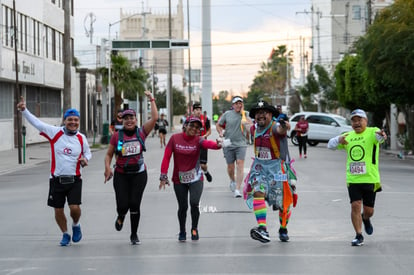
<point>260,234</point>
<point>237,193</point>
<point>367,225</point>
<point>232,186</point>
<point>118,226</point>
<point>77,233</point>
<point>65,240</point>
<point>358,241</point>
<point>208,176</point>
<point>134,239</point>
<point>283,235</point>
<point>194,234</point>
<point>182,236</point>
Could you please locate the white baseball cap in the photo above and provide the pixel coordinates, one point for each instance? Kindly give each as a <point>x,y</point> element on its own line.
<point>358,112</point>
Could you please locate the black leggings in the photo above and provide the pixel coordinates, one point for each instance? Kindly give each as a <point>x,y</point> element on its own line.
<point>181,192</point>
<point>302,144</point>
<point>129,189</point>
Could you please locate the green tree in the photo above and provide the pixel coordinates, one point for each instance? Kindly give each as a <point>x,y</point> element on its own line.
<point>220,102</point>
<point>179,101</point>
<point>387,54</point>
<point>270,82</point>
<point>319,89</point>
<point>125,79</point>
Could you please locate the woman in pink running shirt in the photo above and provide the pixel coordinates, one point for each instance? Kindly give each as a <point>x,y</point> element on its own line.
<point>187,174</point>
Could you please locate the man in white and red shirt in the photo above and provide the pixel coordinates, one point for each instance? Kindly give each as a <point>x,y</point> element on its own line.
<point>69,153</point>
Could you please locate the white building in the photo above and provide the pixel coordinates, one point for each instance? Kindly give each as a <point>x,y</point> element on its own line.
<point>40,28</point>
<point>337,24</point>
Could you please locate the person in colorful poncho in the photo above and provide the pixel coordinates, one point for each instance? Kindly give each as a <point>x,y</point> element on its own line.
<point>270,177</point>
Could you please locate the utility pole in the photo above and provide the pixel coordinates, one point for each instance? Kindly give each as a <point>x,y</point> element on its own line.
<point>143,115</point>
<point>18,117</point>
<point>317,28</point>
<point>169,91</point>
<point>189,57</point>
<point>369,14</point>
<point>67,57</point>
<point>206,57</point>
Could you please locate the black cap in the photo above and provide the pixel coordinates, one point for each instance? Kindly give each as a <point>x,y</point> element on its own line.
<point>197,105</point>
<point>263,105</point>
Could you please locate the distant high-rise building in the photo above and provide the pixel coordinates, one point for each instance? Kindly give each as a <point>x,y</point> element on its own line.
<point>337,24</point>
<point>154,25</point>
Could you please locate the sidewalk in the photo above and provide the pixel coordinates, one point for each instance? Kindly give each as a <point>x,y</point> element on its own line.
<point>34,154</point>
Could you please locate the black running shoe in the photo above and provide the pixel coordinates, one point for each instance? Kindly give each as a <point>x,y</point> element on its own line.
<point>134,239</point>
<point>118,226</point>
<point>358,241</point>
<point>367,225</point>
<point>260,234</point>
<point>182,236</point>
<point>208,176</point>
<point>283,234</point>
<point>194,234</point>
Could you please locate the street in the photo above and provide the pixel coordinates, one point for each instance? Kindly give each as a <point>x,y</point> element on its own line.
<point>320,228</point>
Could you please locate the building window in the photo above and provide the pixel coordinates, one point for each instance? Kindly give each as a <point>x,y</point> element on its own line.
<point>356,12</point>
<point>43,102</point>
<point>53,44</point>
<point>6,101</point>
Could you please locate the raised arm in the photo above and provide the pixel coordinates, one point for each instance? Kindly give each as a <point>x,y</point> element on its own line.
<point>149,125</point>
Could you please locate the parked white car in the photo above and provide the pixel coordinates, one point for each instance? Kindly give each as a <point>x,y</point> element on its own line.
<point>322,126</point>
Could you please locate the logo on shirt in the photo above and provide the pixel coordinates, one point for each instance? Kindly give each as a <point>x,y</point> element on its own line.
<point>357,153</point>
<point>67,151</point>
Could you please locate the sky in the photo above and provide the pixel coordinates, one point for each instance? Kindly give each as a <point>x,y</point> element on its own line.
<point>243,32</point>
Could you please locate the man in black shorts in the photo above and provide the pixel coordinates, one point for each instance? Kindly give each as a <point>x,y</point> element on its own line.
<point>70,152</point>
<point>205,131</point>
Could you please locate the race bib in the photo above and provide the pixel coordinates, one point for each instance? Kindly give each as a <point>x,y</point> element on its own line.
<point>263,153</point>
<point>280,177</point>
<point>357,168</point>
<point>131,148</point>
<point>188,176</point>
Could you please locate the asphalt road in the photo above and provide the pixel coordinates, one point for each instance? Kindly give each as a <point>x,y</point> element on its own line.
<point>320,229</point>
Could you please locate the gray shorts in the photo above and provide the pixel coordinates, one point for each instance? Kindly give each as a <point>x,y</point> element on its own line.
<point>231,154</point>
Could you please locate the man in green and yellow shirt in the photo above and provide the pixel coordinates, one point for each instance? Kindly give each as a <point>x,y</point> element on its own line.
<point>362,170</point>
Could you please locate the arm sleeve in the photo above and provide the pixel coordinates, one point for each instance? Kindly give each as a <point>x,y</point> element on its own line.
<point>42,127</point>
<point>33,120</point>
<point>86,149</point>
<point>333,143</point>
<point>167,156</point>
<point>209,144</point>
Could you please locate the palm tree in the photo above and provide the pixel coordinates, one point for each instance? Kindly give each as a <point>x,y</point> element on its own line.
<point>125,79</point>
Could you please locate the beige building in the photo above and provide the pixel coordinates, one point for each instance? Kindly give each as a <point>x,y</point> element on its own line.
<point>337,24</point>
<point>154,25</point>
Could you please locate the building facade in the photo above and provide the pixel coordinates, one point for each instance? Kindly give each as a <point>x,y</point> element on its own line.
<point>154,25</point>
<point>337,24</point>
<point>39,29</point>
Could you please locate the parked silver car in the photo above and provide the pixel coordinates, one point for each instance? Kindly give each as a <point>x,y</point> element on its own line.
<point>322,126</point>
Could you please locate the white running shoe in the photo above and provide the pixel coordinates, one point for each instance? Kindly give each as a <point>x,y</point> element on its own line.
<point>237,193</point>
<point>232,186</point>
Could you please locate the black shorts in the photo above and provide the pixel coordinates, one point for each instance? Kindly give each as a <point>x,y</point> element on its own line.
<point>203,156</point>
<point>162,131</point>
<point>364,192</point>
<point>59,192</point>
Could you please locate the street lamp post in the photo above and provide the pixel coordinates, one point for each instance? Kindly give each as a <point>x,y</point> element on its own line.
<point>110,61</point>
